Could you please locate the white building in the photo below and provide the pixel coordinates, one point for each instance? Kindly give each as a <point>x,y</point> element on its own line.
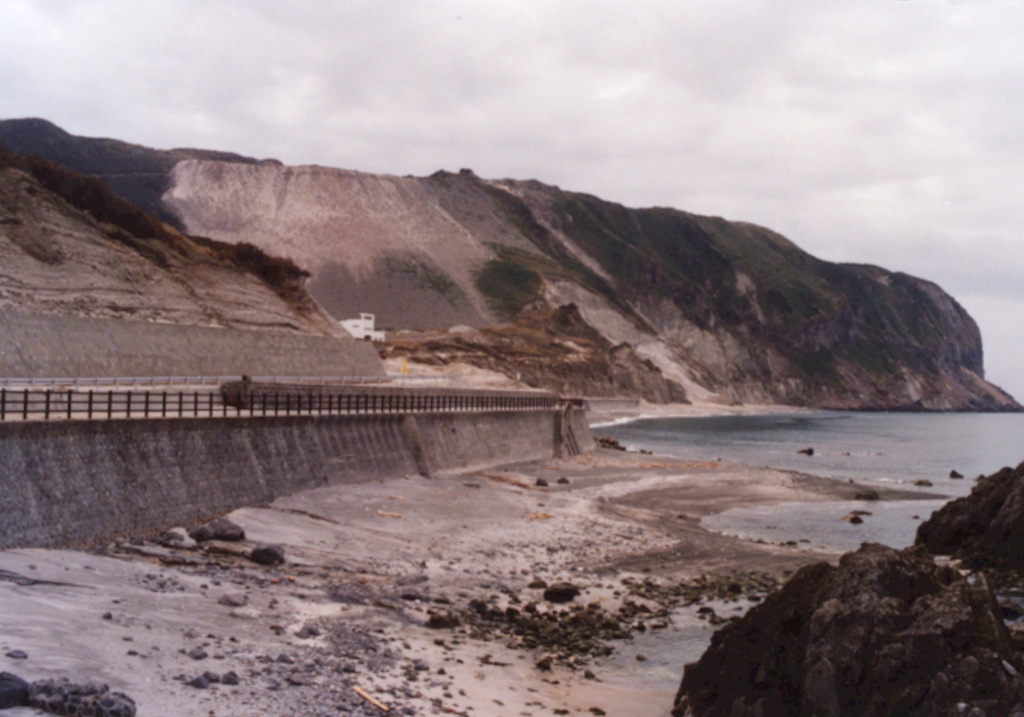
<point>362,328</point>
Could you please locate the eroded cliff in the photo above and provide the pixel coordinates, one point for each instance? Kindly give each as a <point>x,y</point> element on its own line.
<point>71,247</point>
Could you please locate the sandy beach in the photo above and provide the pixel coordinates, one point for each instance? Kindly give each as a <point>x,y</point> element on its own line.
<point>369,566</point>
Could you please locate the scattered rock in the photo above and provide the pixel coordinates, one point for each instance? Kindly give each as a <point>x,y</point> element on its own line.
<point>563,481</point>
<point>867,495</point>
<point>542,483</point>
<point>885,632</point>
<point>200,682</point>
<point>178,538</point>
<point>63,697</point>
<point>230,678</point>
<point>537,584</point>
<point>14,691</point>
<point>852,519</point>
<point>561,592</point>
<point>234,600</point>
<point>224,529</point>
<point>443,621</point>
<point>197,653</point>
<point>201,533</point>
<point>609,442</point>
<point>267,555</point>
<point>17,655</point>
<point>307,631</point>
<point>806,451</point>
<point>955,475</point>
<point>923,483</point>
<point>544,663</point>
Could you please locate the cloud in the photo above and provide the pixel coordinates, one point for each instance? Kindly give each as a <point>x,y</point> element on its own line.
<point>884,132</point>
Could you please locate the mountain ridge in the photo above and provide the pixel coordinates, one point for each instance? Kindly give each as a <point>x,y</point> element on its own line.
<point>730,311</point>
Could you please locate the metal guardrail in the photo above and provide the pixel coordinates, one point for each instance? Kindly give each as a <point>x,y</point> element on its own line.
<point>26,404</point>
<point>200,381</point>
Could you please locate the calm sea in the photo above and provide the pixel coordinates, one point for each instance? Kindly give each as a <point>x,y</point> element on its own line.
<point>890,449</point>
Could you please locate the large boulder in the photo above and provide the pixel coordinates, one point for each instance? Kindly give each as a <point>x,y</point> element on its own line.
<point>985,528</point>
<point>885,632</point>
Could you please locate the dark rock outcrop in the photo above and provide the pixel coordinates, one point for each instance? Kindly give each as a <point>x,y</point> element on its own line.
<point>885,633</point>
<point>985,528</point>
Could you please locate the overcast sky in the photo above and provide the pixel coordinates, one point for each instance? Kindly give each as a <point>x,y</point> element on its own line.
<point>880,131</point>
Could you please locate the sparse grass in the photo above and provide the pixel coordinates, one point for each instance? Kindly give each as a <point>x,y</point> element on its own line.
<point>509,286</point>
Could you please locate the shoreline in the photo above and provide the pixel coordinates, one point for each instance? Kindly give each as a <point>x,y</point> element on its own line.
<point>368,564</point>
<point>645,410</point>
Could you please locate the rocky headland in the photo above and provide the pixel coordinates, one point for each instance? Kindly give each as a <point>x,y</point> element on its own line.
<point>727,312</point>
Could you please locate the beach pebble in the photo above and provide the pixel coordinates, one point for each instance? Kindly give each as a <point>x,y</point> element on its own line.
<point>267,555</point>
<point>561,592</point>
<point>234,599</point>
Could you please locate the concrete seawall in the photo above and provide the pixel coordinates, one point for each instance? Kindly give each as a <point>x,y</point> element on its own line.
<point>68,346</point>
<point>72,483</point>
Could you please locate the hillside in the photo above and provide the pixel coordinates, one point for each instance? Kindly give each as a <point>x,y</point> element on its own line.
<point>727,311</point>
<point>70,246</point>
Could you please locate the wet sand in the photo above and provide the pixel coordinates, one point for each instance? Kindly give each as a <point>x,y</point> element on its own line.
<point>368,564</point>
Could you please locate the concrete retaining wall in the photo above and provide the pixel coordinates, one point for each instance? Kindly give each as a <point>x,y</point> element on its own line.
<point>72,483</point>
<point>70,346</point>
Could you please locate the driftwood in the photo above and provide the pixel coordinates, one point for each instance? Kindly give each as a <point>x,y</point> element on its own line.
<point>369,698</point>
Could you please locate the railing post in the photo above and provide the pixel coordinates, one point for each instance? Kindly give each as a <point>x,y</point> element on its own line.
<point>145,405</point>
<point>46,406</point>
<point>24,407</point>
<point>69,403</point>
<point>88,402</point>
<point>128,404</point>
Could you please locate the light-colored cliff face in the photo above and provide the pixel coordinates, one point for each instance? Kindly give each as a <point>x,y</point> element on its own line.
<point>58,260</point>
<point>381,241</point>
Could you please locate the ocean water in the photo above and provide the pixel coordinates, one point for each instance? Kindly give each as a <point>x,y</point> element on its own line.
<point>886,449</point>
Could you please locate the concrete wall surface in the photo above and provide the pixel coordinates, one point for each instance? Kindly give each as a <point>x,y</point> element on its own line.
<point>69,346</point>
<point>72,483</point>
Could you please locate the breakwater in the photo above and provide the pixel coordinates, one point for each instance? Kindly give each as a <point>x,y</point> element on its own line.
<point>78,482</point>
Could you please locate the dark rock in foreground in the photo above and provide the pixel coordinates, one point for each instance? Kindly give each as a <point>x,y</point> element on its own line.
<point>985,528</point>
<point>14,691</point>
<point>885,633</point>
